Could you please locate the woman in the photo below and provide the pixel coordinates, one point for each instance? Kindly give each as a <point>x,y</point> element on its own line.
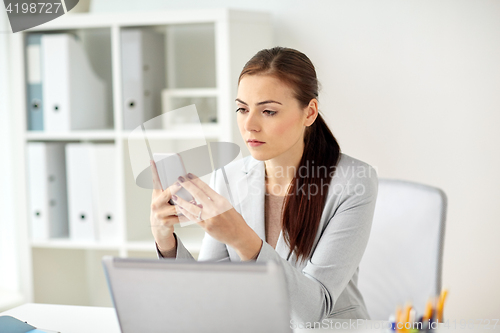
<point>309,207</point>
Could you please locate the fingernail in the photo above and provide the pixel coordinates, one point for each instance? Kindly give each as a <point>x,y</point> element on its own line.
<point>190,176</point>
<point>174,197</point>
<point>181,179</point>
<point>177,184</point>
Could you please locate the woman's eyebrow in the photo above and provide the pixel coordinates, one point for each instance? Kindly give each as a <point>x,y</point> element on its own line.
<point>260,103</point>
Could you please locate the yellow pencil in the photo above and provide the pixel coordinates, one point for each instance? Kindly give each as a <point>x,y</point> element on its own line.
<point>440,305</point>
<point>428,311</point>
<point>406,315</point>
<point>398,316</point>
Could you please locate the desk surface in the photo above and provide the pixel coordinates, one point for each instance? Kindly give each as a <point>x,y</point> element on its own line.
<point>84,319</point>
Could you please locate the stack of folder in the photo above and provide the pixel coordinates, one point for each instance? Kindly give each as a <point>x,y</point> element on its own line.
<point>92,191</point>
<point>63,91</point>
<point>72,191</point>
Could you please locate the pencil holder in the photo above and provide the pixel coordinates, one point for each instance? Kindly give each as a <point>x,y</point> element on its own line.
<point>405,320</point>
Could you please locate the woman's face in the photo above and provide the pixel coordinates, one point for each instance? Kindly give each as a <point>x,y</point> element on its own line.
<point>269,113</point>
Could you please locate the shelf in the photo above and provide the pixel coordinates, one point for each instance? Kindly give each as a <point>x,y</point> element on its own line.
<point>141,246</point>
<point>192,246</point>
<point>148,18</point>
<point>179,132</point>
<point>96,135</point>
<point>70,244</point>
<point>205,51</point>
<point>193,92</point>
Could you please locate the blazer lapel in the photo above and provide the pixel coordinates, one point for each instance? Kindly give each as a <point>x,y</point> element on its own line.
<point>252,207</point>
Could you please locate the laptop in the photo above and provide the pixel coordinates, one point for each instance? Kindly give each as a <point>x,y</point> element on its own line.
<point>168,295</point>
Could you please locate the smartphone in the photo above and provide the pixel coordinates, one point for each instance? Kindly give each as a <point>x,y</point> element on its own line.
<point>170,167</point>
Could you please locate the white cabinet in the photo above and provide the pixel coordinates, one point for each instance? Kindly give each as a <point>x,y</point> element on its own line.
<point>204,53</point>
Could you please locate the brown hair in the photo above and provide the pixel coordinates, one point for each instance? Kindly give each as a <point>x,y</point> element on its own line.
<point>301,216</point>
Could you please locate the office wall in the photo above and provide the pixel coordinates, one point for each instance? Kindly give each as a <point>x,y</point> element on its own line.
<point>411,87</point>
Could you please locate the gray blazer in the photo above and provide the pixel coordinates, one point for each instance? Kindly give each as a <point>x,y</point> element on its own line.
<point>325,286</point>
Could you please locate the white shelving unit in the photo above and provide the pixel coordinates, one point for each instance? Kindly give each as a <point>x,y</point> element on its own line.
<point>205,51</point>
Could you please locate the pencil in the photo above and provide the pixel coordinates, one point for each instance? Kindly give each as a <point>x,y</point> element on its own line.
<point>440,305</point>
<point>398,316</point>
<point>428,311</point>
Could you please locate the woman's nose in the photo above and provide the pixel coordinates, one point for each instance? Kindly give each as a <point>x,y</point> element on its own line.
<point>252,122</point>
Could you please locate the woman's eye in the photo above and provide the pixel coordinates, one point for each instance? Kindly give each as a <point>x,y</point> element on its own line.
<point>270,113</point>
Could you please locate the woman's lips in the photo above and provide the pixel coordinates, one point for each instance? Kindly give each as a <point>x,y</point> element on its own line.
<point>255,143</point>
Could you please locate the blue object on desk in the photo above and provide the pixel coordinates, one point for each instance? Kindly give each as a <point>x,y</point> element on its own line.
<point>10,324</point>
<point>392,320</point>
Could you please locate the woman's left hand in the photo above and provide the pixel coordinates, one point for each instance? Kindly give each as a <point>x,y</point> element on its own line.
<point>218,217</point>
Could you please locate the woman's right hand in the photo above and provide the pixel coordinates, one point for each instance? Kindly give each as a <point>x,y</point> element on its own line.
<point>163,214</point>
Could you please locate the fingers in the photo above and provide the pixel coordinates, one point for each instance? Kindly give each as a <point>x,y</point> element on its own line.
<point>188,209</point>
<point>156,178</point>
<point>198,189</point>
<point>169,221</point>
<point>203,186</point>
<point>157,187</point>
<point>192,217</point>
<point>160,206</point>
<point>171,190</point>
<point>166,211</point>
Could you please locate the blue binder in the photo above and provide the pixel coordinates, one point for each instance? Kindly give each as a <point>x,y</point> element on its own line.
<point>34,94</point>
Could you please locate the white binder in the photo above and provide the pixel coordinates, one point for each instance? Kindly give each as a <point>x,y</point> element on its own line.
<point>74,97</point>
<point>47,190</point>
<point>143,76</point>
<point>82,224</point>
<point>103,162</point>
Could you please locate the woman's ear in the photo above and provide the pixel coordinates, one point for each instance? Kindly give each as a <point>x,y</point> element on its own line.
<point>311,112</point>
